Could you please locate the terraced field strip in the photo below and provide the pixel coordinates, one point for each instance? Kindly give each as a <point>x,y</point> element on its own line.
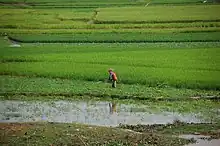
<point>155,14</point>
<point>42,18</point>
<point>179,78</point>
<point>22,32</point>
<point>89,3</point>
<point>118,37</point>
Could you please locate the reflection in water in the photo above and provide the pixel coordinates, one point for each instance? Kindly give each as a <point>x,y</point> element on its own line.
<point>112,107</point>
<point>94,113</point>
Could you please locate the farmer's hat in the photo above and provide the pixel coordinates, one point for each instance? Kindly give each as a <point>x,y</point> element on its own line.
<point>110,69</point>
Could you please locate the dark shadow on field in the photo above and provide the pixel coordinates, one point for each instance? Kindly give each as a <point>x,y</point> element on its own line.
<point>169,99</point>
<point>107,41</point>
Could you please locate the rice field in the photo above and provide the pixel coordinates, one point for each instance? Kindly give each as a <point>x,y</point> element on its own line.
<point>155,14</point>
<point>147,45</point>
<point>166,55</point>
<point>135,63</point>
<point>134,18</point>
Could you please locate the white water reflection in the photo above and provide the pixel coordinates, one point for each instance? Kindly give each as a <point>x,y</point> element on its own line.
<point>94,113</point>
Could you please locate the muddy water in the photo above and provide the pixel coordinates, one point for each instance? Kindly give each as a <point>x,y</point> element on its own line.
<point>94,113</point>
<point>202,140</point>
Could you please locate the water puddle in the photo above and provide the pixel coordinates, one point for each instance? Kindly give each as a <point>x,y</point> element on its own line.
<point>202,140</point>
<point>93,113</point>
<point>15,45</point>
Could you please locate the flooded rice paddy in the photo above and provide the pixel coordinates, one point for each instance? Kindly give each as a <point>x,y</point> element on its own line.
<point>101,113</point>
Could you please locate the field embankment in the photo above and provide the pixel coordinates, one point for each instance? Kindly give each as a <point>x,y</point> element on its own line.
<point>50,133</point>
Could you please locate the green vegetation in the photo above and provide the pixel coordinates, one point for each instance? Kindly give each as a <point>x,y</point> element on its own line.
<point>134,63</point>
<point>58,87</point>
<point>156,14</point>
<point>188,58</point>
<point>137,19</point>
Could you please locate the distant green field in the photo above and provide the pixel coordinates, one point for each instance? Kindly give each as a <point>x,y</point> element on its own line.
<point>91,4</point>
<point>159,14</point>
<point>88,2</point>
<point>151,19</point>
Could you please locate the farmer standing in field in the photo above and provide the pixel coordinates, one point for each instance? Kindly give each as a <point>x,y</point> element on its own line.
<point>112,77</point>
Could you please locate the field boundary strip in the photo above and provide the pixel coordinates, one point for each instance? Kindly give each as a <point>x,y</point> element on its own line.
<point>153,21</point>
<point>10,60</point>
<point>113,96</point>
<point>105,41</point>
<point>96,5</point>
